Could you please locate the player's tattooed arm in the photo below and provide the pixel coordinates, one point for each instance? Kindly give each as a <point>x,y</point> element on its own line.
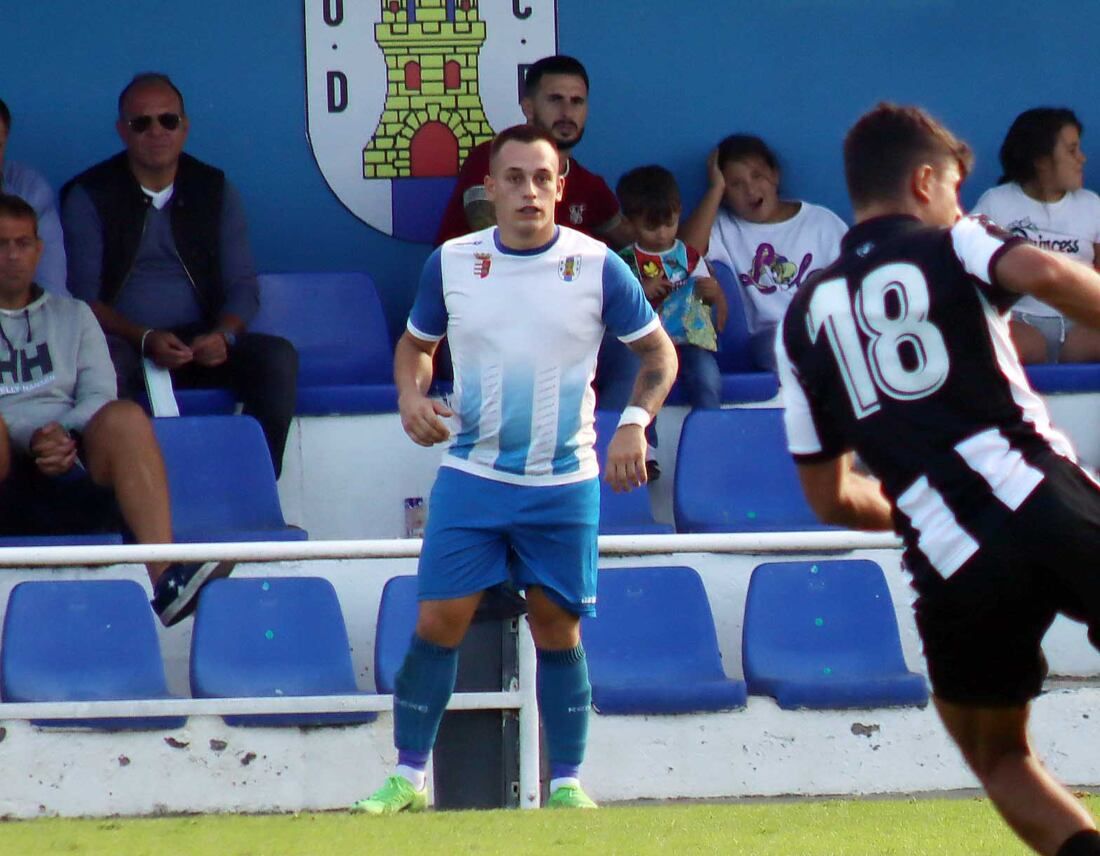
<point>657,371</point>
<point>624,467</point>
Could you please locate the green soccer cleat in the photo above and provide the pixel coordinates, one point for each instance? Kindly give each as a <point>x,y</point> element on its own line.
<point>570,796</point>
<point>396,795</point>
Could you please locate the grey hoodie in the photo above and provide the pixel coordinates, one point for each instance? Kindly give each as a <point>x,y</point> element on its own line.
<point>54,366</point>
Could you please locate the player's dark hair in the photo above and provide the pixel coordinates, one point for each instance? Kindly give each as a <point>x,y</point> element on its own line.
<point>883,148</point>
<point>739,147</point>
<point>557,64</point>
<point>147,78</point>
<point>17,208</point>
<point>649,193</point>
<point>5,114</point>
<point>1033,135</point>
<point>519,134</point>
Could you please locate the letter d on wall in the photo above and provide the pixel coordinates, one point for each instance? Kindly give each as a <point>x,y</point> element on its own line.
<point>337,92</point>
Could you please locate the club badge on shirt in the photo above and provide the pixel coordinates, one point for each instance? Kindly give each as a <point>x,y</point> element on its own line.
<point>569,268</point>
<point>482,263</point>
<point>576,213</point>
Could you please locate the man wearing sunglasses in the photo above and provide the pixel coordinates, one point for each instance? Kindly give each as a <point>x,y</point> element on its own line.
<point>160,251</point>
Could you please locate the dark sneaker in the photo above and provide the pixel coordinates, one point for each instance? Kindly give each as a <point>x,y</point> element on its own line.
<point>176,593</point>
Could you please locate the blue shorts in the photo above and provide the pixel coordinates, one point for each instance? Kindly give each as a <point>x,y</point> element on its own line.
<point>481,533</point>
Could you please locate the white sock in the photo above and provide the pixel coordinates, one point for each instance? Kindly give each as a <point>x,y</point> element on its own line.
<point>416,777</point>
<point>572,781</point>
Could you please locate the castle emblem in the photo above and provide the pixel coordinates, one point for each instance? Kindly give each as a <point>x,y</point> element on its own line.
<point>399,91</point>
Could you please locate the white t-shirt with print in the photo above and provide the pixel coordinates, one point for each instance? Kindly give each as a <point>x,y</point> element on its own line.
<point>1071,226</point>
<point>771,260</point>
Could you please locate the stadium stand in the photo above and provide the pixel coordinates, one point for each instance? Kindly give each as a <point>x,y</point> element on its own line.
<point>734,474</point>
<point>622,513</point>
<point>276,636</point>
<point>824,635</point>
<point>652,649</point>
<point>81,540</point>
<point>1050,378</point>
<point>220,480</point>
<point>336,322</point>
<point>101,643</point>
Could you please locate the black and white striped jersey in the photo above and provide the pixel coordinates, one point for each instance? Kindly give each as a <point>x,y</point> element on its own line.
<point>900,351</point>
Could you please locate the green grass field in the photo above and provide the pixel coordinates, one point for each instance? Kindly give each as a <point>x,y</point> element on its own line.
<point>926,827</point>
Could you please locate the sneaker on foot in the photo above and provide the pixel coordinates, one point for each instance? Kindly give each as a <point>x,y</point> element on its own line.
<point>570,796</point>
<point>176,592</point>
<point>398,794</point>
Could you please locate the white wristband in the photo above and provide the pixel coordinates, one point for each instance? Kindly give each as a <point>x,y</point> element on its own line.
<point>144,336</point>
<point>634,415</point>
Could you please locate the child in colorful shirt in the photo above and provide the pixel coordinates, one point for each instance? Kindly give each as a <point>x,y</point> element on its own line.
<point>675,278</point>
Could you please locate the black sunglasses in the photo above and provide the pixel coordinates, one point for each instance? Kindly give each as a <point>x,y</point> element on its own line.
<point>141,124</point>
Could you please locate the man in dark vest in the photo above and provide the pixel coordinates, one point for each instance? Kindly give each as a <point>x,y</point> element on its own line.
<point>162,257</point>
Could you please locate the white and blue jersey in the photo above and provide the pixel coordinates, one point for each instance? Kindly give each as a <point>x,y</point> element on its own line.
<point>524,328</point>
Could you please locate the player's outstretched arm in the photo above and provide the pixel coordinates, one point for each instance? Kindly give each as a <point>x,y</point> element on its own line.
<point>625,466</point>
<point>1069,286</point>
<point>841,496</point>
<point>412,374</point>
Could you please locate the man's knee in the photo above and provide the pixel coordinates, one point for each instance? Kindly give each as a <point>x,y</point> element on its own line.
<point>271,356</point>
<point>444,622</point>
<point>119,428</point>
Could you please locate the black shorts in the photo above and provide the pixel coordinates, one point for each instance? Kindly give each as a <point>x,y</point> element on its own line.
<point>34,504</point>
<point>983,627</point>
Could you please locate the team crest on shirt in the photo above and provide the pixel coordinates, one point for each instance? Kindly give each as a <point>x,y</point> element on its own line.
<point>399,91</point>
<point>576,213</point>
<point>569,268</point>
<point>482,263</point>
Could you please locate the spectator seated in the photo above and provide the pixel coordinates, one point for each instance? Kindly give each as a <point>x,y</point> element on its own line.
<point>277,636</point>
<point>734,474</point>
<point>220,480</point>
<point>335,321</point>
<point>741,380</point>
<point>824,635</point>
<point>652,649</point>
<point>83,640</point>
<point>622,513</point>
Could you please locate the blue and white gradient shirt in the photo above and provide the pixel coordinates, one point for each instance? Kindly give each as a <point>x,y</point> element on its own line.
<point>524,329</point>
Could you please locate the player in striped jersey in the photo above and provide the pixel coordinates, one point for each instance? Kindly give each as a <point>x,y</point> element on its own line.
<point>524,306</point>
<point>900,352</point>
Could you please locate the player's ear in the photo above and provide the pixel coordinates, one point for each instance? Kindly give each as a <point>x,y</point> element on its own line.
<point>490,187</point>
<point>920,182</point>
<point>528,108</point>
<point>561,189</point>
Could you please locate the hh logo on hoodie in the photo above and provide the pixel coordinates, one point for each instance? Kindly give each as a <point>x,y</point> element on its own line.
<point>25,369</point>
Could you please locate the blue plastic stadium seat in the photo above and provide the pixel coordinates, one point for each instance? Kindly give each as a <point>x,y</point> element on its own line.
<point>83,640</point>
<point>220,480</point>
<point>93,539</point>
<point>198,402</point>
<point>1064,377</point>
<point>622,513</point>
<point>742,381</point>
<point>653,649</point>
<point>280,636</point>
<point>336,322</point>
<point>824,635</point>
<point>397,612</point>
<point>734,474</point>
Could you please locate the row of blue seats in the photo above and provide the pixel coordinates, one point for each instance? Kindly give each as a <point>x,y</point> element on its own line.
<point>818,634</point>
<point>336,322</point>
<point>221,485</point>
<point>733,474</point>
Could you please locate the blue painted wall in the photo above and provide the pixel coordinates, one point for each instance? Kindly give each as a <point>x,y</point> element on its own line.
<point>666,85</point>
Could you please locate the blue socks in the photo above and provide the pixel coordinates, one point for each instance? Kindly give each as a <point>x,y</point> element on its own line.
<point>564,697</point>
<point>421,691</point>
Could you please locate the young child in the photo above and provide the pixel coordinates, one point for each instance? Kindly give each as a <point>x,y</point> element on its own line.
<point>675,278</point>
<point>771,244</point>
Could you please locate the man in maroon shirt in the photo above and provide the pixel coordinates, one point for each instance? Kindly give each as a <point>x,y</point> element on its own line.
<point>556,100</point>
